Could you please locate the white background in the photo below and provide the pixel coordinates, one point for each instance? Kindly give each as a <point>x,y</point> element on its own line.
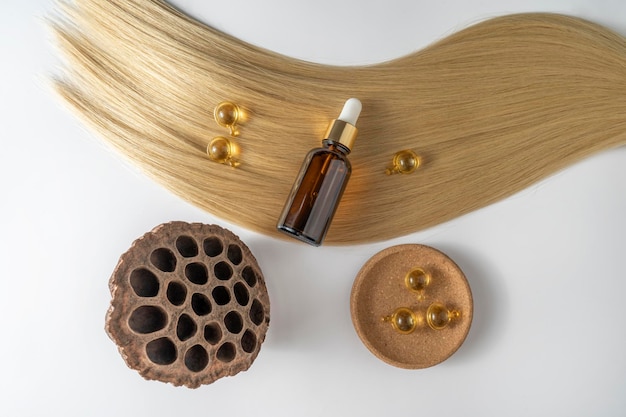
<point>546,266</point>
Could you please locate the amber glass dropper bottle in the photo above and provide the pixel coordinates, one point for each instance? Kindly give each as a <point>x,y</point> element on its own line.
<point>322,179</point>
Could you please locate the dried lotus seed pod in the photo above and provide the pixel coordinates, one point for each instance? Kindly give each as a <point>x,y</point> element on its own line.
<point>189,305</point>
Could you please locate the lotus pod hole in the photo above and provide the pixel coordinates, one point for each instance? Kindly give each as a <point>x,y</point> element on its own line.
<point>144,282</point>
<point>242,295</point>
<point>233,322</point>
<point>213,333</point>
<point>187,246</point>
<point>197,273</point>
<point>221,295</point>
<point>164,259</point>
<point>213,246</point>
<point>176,293</point>
<point>249,276</point>
<point>200,304</point>
<point>234,254</point>
<point>186,328</point>
<point>223,271</point>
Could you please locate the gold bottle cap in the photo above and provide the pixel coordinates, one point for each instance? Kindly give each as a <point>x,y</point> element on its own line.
<point>342,132</point>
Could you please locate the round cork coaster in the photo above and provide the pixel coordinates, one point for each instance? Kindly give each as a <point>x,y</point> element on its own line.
<point>379,289</point>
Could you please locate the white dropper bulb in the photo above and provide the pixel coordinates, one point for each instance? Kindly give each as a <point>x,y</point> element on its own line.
<point>351,111</point>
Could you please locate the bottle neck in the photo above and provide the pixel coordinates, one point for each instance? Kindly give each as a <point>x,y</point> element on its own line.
<point>332,145</point>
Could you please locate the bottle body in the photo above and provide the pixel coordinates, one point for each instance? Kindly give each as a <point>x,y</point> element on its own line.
<point>316,193</point>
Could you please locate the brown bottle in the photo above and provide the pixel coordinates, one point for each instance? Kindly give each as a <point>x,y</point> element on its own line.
<point>323,177</point>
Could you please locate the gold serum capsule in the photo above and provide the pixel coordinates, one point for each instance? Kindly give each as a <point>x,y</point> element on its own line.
<point>322,179</point>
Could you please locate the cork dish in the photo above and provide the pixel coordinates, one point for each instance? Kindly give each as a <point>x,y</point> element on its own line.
<point>189,305</point>
<point>380,289</point>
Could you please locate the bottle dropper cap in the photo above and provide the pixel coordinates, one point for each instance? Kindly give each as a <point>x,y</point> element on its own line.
<point>343,130</point>
<point>351,111</point>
